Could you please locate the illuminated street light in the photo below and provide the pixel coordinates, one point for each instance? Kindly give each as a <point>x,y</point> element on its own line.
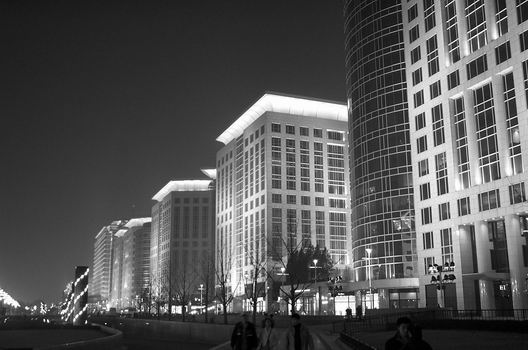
<point>201,289</point>
<point>315,261</point>
<point>440,276</point>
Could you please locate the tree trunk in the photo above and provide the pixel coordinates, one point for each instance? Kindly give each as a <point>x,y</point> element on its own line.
<point>183,312</point>
<point>224,304</point>
<point>254,302</point>
<point>206,303</point>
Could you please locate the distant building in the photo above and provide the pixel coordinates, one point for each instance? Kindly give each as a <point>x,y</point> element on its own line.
<point>182,237</point>
<point>102,263</point>
<point>131,263</point>
<point>282,176</point>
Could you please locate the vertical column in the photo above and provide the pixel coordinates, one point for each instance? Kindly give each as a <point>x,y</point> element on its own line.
<point>487,298</point>
<point>472,138</point>
<point>462,28</point>
<point>518,272</point>
<point>491,23</point>
<point>500,124</point>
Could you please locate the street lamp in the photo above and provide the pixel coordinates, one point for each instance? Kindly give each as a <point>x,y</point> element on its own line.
<point>201,289</point>
<point>283,273</point>
<point>369,251</point>
<point>315,261</point>
<point>335,288</point>
<point>441,276</point>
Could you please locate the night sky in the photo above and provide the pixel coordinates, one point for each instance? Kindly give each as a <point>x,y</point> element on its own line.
<point>102,103</point>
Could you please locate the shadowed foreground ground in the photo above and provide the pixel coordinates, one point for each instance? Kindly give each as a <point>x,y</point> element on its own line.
<point>456,339</point>
<point>30,338</point>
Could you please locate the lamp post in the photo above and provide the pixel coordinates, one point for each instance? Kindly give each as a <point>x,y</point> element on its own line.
<point>283,273</point>
<point>334,288</point>
<point>315,261</point>
<point>369,251</point>
<point>201,289</point>
<point>441,276</point>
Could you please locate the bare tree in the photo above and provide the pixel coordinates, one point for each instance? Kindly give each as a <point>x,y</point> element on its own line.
<point>183,285</point>
<point>206,274</point>
<point>254,285</point>
<point>296,271</point>
<point>296,281</point>
<point>224,292</point>
<point>145,299</point>
<point>160,299</point>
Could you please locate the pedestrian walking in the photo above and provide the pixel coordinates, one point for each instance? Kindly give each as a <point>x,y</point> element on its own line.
<point>269,337</point>
<point>244,335</point>
<point>298,336</point>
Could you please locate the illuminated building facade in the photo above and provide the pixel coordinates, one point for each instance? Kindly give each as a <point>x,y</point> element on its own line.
<point>465,90</point>
<point>102,263</point>
<point>131,263</point>
<point>282,176</point>
<point>182,235</point>
<point>384,252</point>
<point>467,81</point>
<point>80,295</point>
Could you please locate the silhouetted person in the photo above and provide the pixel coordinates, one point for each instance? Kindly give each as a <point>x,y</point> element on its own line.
<point>298,337</point>
<point>402,339</point>
<point>417,341</point>
<point>359,311</point>
<point>244,335</point>
<point>348,313</point>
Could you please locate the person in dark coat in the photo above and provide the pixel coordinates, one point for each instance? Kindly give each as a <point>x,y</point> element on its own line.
<point>298,336</point>
<point>417,341</point>
<point>244,335</point>
<point>402,339</point>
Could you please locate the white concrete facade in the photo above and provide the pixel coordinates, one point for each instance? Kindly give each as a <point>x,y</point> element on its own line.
<point>467,70</point>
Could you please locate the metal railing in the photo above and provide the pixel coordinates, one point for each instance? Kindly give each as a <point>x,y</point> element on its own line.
<point>436,317</point>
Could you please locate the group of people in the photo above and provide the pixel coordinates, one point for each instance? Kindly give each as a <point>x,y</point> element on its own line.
<point>408,337</point>
<point>296,337</point>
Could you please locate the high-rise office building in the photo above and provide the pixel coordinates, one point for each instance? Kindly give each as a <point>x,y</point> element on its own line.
<point>101,274</point>
<point>182,236</point>
<point>282,176</point>
<point>466,92</point>
<point>467,82</point>
<point>130,264</point>
<point>384,254</point>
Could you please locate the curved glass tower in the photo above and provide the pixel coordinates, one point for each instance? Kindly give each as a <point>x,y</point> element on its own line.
<point>383,236</point>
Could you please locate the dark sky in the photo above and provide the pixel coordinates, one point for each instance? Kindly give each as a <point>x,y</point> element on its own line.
<point>102,103</point>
